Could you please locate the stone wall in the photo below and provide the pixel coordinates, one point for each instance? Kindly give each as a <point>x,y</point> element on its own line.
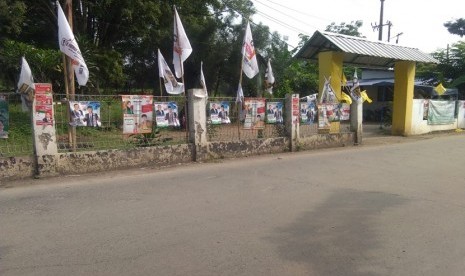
<point>321,141</point>
<point>12,168</point>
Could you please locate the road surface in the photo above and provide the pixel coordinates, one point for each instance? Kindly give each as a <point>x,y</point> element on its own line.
<point>386,209</point>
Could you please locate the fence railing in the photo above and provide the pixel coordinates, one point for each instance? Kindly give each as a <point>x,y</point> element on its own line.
<point>109,133</point>
<point>232,126</point>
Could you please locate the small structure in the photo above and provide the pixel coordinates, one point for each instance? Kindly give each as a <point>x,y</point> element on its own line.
<point>333,50</point>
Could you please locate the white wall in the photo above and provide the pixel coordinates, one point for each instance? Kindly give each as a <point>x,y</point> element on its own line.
<point>420,126</point>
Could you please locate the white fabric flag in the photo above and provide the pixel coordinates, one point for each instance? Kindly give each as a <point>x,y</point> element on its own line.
<point>269,78</point>
<point>240,94</point>
<point>202,83</point>
<point>181,48</point>
<point>171,84</point>
<point>26,86</point>
<point>328,95</point>
<point>355,90</point>
<point>26,81</point>
<point>249,57</point>
<point>69,47</point>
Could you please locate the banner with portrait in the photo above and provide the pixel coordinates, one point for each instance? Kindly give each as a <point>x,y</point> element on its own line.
<point>345,111</point>
<point>274,112</point>
<point>166,114</point>
<point>4,116</point>
<point>43,112</point>
<point>85,113</point>
<point>254,111</point>
<point>137,113</point>
<point>219,113</point>
<point>308,113</point>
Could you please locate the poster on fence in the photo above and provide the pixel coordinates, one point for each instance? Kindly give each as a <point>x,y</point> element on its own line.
<point>85,113</point>
<point>295,109</point>
<point>254,110</point>
<point>137,113</point>
<point>4,116</point>
<point>308,113</point>
<point>219,113</point>
<point>43,114</point>
<point>274,112</point>
<point>166,114</point>
<point>441,112</point>
<point>345,111</point>
<point>323,120</point>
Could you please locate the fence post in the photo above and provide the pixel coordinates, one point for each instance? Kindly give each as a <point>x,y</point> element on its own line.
<point>43,124</point>
<point>197,121</point>
<point>356,120</point>
<point>292,122</point>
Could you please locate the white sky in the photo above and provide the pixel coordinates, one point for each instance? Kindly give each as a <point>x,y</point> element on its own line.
<point>420,21</point>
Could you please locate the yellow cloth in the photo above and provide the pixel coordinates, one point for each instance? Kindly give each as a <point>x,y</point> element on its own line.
<point>365,97</point>
<point>346,98</point>
<point>344,80</point>
<point>440,89</point>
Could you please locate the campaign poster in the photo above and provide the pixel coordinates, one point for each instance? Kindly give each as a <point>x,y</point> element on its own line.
<point>333,112</point>
<point>308,113</point>
<point>77,111</point>
<point>295,109</point>
<point>166,114</point>
<point>43,115</point>
<point>254,110</point>
<point>4,117</point>
<point>345,111</point>
<point>137,114</point>
<point>219,113</point>
<point>274,112</point>
<point>91,112</point>
<point>323,121</point>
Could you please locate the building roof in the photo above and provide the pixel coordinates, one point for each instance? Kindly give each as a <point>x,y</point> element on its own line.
<point>361,52</point>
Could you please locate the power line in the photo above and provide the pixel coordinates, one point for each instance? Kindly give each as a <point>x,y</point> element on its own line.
<point>297,11</point>
<point>287,15</point>
<point>283,24</point>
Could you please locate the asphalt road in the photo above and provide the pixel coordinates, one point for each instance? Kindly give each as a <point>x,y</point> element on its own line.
<point>385,209</point>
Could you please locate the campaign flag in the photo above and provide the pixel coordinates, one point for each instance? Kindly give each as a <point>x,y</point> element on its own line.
<point>69,47</point>
<point>171,84</point>
<point>355,90</point>
<point>202,83</point>
<point>240,94</point>
<point>26,86</point>
<point>249,57</point>
<point>181,46</point>
<point>365,97</point>
<point>344,79</point>
<point>346,98</point>
<point>328,95</point>
<point>269,78</point>
<point>440,89</point>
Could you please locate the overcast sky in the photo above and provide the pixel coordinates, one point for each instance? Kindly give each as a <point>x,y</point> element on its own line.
<point>420,21</point>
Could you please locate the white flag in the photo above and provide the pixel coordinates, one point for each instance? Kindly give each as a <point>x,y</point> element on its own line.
<point>26,86</point>
<point>328,95</point>
<point>202,83</point>
<point>269,78</point>
<point>171,84</point>
<point>249,58</point>
<point>355,90</point>
<point>181,48</point>
<point>69,47</point>
<point>240,94</point>
<point>26,81</point>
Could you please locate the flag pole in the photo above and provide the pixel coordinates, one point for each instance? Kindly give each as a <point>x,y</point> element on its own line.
<point>239,108</point>
<point>69,76</point>
<point>182,74</point>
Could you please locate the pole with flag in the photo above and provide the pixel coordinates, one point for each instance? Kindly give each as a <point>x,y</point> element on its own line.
<point>202,83</point>
<point>181,46</point>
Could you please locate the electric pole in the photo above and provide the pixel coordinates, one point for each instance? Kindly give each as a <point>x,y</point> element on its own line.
<point>380,33</point>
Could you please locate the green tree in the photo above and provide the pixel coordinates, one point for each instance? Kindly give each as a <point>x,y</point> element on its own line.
<point>352,28</point>
<point>456,27</point>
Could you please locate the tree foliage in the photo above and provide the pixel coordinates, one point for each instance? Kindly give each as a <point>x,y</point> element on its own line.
<point>456,27</point>
<point>344,28</point>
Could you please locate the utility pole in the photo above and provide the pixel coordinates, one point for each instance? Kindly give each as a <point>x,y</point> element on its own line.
<point>380,33</point>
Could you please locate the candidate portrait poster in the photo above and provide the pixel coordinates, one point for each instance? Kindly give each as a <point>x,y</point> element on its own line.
<point>308,113</point>
<point>4,117</point>
<point>274,112</point>
<point>166,114</point>
<point>219,113</point>
<point>137,113</point>
<point>254,110</point>
<point>323,121</point>
<point>43,114</point>
<point>91,112</point>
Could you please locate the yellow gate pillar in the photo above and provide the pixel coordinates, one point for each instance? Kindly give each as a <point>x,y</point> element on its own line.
<point>330,65</point>
<point>404,74</point>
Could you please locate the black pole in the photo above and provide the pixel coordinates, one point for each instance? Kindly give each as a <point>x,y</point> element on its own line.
<point>380,34</point>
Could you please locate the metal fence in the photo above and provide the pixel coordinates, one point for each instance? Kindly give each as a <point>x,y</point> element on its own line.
<point>233,129</point>
<point>20,140</point>
<point>109,134</point>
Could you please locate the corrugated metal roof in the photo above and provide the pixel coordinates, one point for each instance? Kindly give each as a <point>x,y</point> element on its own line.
<point>360,51</point>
